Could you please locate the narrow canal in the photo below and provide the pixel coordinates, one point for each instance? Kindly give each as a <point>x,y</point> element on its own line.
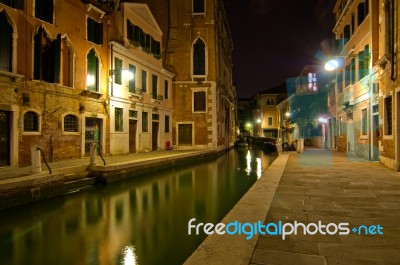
<point>140,221</point>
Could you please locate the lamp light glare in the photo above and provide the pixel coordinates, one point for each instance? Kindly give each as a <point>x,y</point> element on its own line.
<point>128,75</point>
<point>332,65</point>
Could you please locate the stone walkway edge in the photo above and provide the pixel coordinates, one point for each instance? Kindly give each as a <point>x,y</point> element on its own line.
<point>251,208</point>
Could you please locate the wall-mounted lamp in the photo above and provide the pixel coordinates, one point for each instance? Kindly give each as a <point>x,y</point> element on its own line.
<point>126,73</point>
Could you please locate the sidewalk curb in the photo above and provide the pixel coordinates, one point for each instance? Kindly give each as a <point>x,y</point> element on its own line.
<point>251,208</point>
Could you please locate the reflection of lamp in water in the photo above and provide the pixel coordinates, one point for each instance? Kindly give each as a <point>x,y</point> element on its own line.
<point>259,168</point>
<point>129,255</point>
<point>248,159</point>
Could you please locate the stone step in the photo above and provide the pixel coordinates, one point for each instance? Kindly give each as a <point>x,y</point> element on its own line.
<point>75,176</point>
<point>78,185</point>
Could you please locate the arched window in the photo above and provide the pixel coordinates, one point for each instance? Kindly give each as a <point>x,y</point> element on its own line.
<point>92,78</point>
<point>199,58</point>
<point>5,44</point>
<point>47,57</point>
<point>71,123</point>
<point>31,122</point>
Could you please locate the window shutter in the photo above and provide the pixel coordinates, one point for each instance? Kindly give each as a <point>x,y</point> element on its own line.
<point>99,33</point>
<point>90,29</point>
<point>129,30</point>
<point>38,55</point>
<point>56,50</point>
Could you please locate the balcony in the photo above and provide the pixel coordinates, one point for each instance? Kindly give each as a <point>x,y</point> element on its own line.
<point>105,5</point>
<point>346,98</point>
<point>157,98</point>
<point>136,93</point>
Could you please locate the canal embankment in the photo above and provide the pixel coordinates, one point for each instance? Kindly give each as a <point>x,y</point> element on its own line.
<point>19,185</point>
<point>251,208</point>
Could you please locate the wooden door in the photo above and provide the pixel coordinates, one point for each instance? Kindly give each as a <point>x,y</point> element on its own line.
<point>154,136</point>
<point>132,136</point>
<point>5,133</point>
<point>185,134</point>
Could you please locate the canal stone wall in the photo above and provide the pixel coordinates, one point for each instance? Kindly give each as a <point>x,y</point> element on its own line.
<point>15,191</point>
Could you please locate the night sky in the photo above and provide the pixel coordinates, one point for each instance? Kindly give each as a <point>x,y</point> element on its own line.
<point>274,39</point>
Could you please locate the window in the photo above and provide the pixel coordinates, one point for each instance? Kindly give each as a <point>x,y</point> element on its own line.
<point>119,119</point>
<point>166,89</point>
<point>154,84</point>
<point>44,10</point>
<point>339,78</point>
<point>364,122</point>
<point>362,11</point>
<point>346,33</point>
<point>363,63</point>
<point>166,124</point>
<point>47,57</point>
<point>70,123</point>
<point>270,101</point>
<point>347,74</point>
<point>92,81</point>
<point>133,114</point>
<point>145,122</point>
<point>340,133</point>
<point>199,101</point>
<point>94,31</point>
<point>269,121</point>
<point>388,116</point>
<point>199,58</point>
<point>198,6</point>
<point>144,81</point>
<point>6,32</point>
<point>132,82</point>
<point>31,122</point>
<point>155,117</point>
<point>118,71</point>
<point>18,4</point>
<point>353,71</point>
<point>352,24</point>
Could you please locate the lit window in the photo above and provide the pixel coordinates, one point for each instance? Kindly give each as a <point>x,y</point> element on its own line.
<point>269,121</point>
<point>92,81</point>
<point>70,123</point>
<point>132,82</point>
<point>31,122</point>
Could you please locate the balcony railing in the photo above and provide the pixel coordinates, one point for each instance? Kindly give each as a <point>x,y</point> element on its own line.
<point>136,91</point>
<point>105,5</point>
<point>157,97</point>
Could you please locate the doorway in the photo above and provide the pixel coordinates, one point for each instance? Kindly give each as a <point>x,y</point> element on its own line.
<point>132,136</point>
<point>185,135</point>
<point>375,137</point>
<point>5,135</point>
<point>154,134</point>
<point>92,133</point>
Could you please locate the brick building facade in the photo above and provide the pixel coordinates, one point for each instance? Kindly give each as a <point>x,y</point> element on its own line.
<point>53,79</point>
<point>197,49</point>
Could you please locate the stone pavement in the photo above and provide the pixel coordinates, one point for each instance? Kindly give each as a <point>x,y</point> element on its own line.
<point>317,185</point>
<point>76,165</point>
<point>320,185</point>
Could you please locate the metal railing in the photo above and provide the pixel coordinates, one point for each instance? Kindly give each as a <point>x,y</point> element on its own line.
<point>99,152</point>
<point>44,158</point>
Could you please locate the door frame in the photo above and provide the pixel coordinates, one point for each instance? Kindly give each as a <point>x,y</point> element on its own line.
<point>136,136</point>
<point>102,131</point>
<point>14,129</point>
<point>177,134</point>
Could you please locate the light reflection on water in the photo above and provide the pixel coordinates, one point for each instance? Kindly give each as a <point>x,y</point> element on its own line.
<point>140,221</point>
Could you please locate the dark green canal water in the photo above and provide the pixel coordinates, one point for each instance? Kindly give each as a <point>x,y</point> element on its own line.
<point>141,221</point>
